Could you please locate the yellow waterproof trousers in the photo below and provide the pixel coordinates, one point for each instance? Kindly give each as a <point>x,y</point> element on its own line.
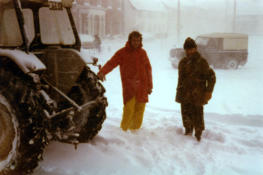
<point>132,115</point>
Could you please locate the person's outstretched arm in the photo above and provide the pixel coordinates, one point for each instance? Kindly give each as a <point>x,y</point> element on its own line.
<point>110,65</point>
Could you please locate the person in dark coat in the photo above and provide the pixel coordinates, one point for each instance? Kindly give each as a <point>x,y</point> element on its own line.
<point>195,86</point>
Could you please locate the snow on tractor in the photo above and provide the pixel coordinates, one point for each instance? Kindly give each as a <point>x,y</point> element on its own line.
<point>47,90</point>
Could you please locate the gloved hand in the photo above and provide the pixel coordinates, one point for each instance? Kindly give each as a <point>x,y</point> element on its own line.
<point>208,96</point>
<point>101,76</point>
<point>149,91</point>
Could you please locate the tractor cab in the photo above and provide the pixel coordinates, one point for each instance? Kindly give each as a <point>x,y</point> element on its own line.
<point>32,25</point>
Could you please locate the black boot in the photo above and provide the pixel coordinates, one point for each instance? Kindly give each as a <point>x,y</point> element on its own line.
<point>198,138</point>
<point>188,131</point>
<point>198,134</point>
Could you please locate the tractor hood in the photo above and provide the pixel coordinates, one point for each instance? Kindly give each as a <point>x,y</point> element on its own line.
<point>27,62</point>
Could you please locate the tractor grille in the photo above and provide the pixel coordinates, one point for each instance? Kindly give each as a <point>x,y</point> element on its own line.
<point>64,66</point>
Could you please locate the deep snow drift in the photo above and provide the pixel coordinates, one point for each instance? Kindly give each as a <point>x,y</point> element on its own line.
<point>232,143</point>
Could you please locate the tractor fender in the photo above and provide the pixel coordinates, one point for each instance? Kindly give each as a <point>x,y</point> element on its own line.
<point>27,62</point>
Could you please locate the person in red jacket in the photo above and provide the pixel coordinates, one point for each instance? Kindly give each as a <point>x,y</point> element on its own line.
<point>136,76</point>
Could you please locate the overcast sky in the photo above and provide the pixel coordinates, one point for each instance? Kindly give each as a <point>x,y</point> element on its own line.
<point>252,7</point>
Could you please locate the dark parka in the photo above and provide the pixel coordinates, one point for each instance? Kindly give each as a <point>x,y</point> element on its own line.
<point>195,79</point>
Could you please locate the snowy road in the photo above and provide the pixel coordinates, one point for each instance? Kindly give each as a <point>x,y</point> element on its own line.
<point>232,143</point>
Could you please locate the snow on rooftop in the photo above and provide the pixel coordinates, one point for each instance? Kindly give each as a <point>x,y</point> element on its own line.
<point>174,3</point>
<point>153,5</point>
<point>225,35</point>
<point>170,3</point>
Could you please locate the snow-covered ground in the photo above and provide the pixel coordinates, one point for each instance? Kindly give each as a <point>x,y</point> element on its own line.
<point>232,143</point>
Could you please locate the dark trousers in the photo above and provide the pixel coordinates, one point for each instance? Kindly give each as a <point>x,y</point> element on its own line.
<point>193,117</point>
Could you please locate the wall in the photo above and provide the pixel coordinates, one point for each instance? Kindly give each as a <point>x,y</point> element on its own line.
<point>148,22</point>
<point>89,20</point>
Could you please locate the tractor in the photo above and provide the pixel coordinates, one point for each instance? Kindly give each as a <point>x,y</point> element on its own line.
<point>48,91</point>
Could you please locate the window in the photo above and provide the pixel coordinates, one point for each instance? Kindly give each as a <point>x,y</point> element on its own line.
<point>10,34</point>
<point>212,44</point>
<point>117,4</point>
<point>96,25</point>
<point>29,24</point>
<point>55,27</point>
<point>99,3</point>
<point>84,24</point>
<point>110,4</point>
<point>93,2</point>
<point>104,3</point>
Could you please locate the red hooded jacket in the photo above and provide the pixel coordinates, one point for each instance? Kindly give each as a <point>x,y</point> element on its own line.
<point>136,72</point>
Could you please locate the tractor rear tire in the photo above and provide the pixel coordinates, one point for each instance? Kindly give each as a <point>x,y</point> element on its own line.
<point>22,135</point>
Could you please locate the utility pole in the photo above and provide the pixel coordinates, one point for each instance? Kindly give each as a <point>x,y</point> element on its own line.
<point>234,15</point>
<point>178,21</point>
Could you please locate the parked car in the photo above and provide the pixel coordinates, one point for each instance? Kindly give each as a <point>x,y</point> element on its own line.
<point>221,50</point>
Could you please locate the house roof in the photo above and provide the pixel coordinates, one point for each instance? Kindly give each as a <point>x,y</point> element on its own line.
<point>174,3</point>
<point>204,4</point>
<point>225,35</point>
<point>148,5</point>
<point>170,3</point>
